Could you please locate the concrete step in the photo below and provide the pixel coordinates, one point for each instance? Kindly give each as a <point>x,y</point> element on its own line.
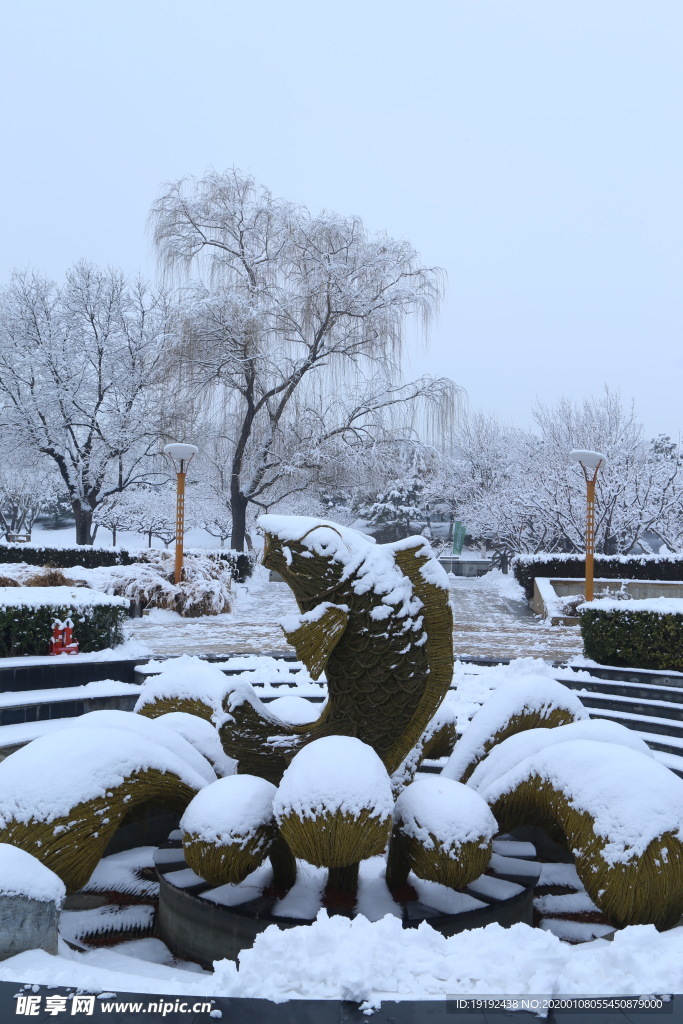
<point>663,730</point>
<point>633,706</point>
<point>668,694</point>
<point>647,677</point>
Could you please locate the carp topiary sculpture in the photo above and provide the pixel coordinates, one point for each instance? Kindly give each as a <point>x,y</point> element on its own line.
<point>376,618</point>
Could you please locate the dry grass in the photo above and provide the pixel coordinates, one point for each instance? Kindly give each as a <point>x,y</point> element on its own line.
<point>231,862</point>
<point>52,578</point>
<point>165,705</point>
<point>526,719</point>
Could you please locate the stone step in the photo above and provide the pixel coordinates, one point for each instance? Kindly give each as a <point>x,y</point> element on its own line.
<point>648,677</point>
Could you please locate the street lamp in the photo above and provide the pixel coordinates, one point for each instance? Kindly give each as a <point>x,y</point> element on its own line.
<point>181,454</point>
<point>590,463</point>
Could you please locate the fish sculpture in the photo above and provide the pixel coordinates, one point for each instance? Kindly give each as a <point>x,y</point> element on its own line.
<point>376,618</point>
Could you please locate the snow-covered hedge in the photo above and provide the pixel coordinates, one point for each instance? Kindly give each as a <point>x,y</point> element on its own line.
<point>92,557</point>
<point>27,614</point>
<point>637,634</point>
<point>666,568</point>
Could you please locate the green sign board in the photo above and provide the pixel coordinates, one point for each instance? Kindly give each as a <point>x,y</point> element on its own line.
<point>458,537</point>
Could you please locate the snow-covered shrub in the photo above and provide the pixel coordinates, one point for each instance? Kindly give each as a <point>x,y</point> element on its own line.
<point>63,796</point>
<point>186,684</point>
<point>334,802</point>
<point>607,567</point>
<point>443,831</point>
<point>529,702</point>
<point>295,710</point>
<point>621,814</point>
<point>204,590</point>
<point>229,828</point>
<point>637,634</point>
<point>27,614</point>
<point>52,578</point>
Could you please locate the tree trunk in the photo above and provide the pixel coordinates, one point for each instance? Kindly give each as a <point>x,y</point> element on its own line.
<point>83,518</point>
<point>113,536</point>
<point>239,521</point>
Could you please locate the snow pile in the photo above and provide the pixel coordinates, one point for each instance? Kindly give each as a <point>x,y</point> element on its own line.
<point>524,694</point>
<point>188,678</point>
<point>203,736</point>
<point>658,605</point>
<point>76,598</point>
<point>45,779</point>
<point>435,808</point>
<point>295,710</point>
<point>230,810</point>
<point>22,875</point>
<point>375,961</point>
<point>335,774</point>
<point>506,755</point>
<point>631,798</point>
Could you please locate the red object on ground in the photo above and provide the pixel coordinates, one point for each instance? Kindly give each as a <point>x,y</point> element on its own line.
<point>62,641</point>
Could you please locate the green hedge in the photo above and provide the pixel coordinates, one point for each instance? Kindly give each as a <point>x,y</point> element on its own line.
<point>633,638</point>
<point>91,557</point>
<point>667,568</point>
<point>27,629</point>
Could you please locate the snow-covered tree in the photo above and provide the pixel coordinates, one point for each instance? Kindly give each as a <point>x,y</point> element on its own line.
<point>79,369</point>
<point>27,486</point>
<point>295,334</point>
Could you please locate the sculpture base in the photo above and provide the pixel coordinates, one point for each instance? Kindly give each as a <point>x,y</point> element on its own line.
<point>203,923</point>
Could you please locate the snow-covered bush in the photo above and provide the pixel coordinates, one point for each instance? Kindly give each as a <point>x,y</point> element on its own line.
<point>204,590</point>
<point>229,828</point>
<point>637,634</point>
<point>620,812</point>
<point>554,565</point>
<point>27,614</point>
<point>524,703</point>
<point>334,803</point>
<point>63,796</point>
<point>443,831</point>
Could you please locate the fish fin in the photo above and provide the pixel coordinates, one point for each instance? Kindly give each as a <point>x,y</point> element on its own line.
<point>315,634</point>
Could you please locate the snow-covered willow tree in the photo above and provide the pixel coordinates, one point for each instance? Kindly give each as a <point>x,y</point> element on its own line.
<point>293,334</point>
<point>79,375</point>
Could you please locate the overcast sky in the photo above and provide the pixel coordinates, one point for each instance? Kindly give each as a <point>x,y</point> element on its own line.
<point>532,148</point>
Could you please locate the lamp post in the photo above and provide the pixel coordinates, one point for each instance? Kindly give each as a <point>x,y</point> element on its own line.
<point>590,463</point>
<point>181,454</point>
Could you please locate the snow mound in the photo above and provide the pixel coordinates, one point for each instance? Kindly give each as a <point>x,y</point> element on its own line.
<point>525,695</point>
<point>203,736</point>
<point>46,778</point>
<point>295,710</point>
<point>229,810</point>
<point>435,808</point>
<point>506,755</point>
<point>147,729</point>
<point>335,774</point>
<point>22,875</point>
<point>631,798</point>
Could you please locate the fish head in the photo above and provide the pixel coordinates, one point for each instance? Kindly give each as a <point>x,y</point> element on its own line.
<point>312,565</point>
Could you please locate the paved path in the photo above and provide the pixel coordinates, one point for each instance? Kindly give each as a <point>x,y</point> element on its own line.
<point>488,624</point>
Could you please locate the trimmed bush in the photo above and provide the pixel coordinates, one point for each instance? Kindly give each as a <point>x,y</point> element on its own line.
<point>27,614</point>
<point>666,568</point>
<point>91,557</point>
<point>635,634</point>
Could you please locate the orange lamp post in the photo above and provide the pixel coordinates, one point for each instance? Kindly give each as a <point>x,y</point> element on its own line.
<point>182,455</point>
<point>590,463</point>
